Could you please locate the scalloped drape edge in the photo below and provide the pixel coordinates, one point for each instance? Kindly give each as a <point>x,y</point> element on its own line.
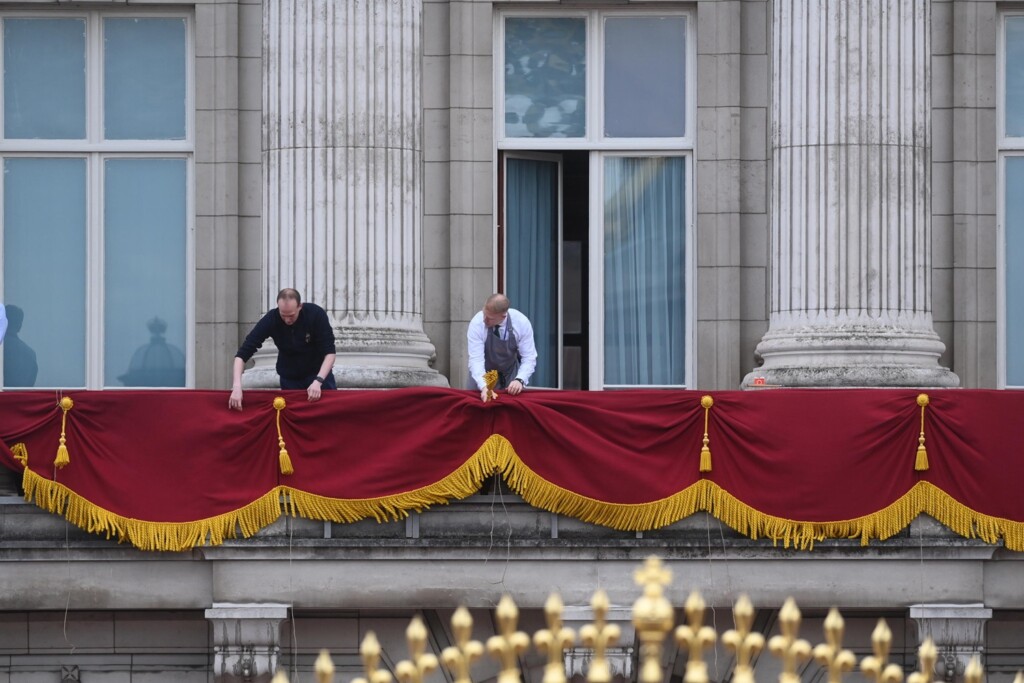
<point>147,535</point>
<point>496,455</point>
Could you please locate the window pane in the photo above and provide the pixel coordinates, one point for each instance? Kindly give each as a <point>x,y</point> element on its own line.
<point>145,231</point>
<point>531,241</point>
<point>644,271</point>
<point>44,78</point>
<point>144,79</point>
<point>44,272</point>
<point>1014,274</point>
<point>545,77</point>
<point>645,77</point>
<point>1014,76</point>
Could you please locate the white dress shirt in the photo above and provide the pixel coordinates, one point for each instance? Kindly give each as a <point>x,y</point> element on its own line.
<point>477,333</point>
<point>3,322</point>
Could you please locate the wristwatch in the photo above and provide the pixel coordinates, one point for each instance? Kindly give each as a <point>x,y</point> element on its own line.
<point>320,379</point>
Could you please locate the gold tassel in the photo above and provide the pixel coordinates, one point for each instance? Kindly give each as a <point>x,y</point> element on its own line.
<point>63,459</point>
<point>491,380</point>
<point>705,453</point>
<point>20,453</point>
<point>921,464</point>
<point>283,459</point>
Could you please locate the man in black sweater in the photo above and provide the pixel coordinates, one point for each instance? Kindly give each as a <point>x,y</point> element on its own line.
<point>305,347</point>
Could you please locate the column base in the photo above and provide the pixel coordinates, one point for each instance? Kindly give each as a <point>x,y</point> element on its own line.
<point>848,356</point>
<point>367,358</point>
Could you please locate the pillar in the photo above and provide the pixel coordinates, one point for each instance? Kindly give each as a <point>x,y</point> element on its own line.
<point>851,282</point>
<point>343,181</point>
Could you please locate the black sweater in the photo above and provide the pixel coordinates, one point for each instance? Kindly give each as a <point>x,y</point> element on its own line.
<point>301,347</point>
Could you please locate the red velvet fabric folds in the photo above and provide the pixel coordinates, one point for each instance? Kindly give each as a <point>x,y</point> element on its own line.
<point>808,456</point>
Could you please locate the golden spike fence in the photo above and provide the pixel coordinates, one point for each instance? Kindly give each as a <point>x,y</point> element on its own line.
<point>653,617</point>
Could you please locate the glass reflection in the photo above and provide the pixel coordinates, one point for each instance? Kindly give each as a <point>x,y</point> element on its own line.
<point>20,366</point>
<point>545,77</point>
<point>156,364</point>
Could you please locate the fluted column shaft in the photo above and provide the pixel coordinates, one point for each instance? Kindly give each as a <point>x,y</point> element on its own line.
<point>342,170</point>
<point>851,194</point>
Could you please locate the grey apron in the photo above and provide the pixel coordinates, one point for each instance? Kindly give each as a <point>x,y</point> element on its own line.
<point>502,355</point>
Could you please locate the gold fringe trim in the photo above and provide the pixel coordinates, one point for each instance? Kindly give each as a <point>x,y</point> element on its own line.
<point>463,482</point>
<point>496,455</point>
<point>59,499</point>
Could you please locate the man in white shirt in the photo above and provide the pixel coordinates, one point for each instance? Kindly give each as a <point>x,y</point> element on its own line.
<point>3,322</point>
<point>501,338</point>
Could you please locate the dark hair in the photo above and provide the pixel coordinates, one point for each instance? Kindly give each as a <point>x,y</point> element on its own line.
<point>289,293</point>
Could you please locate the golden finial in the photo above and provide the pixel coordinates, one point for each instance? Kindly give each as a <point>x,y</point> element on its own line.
<point>831,654</point>
<point>370,650</point>
<point>553,640</point>
<point>974,671</point>
<point>927,655</point>
<point>324,668</point>
<point>511,643</point>
<point>1019,678</point>
<point>599,636</point>
<point>653,618</point>
<point>877,667</point>
<point>696,638</point>
<point>460,657</point>
<point>420,663</point>
<point>741,641</point>
<point>280,677</point>
<point>787,647</point>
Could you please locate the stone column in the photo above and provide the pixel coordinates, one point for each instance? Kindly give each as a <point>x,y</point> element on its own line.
<point>958,632</point>
<point>246,641</point>
<point>851,198</point>
<point>343,181</point>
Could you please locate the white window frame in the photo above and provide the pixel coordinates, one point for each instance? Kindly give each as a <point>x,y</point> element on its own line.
<point>558,159</point>
<point>596,284</point>
<point>96,150</point>
<point>1007,147</point>
<point>599,148</point>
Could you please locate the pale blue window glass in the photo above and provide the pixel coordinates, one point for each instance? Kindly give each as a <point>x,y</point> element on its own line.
<point>1014,76</point>
<point>44,78</point>
<point>144,71</point>
<point>1014,221</point>
<point>644,271</point>
<point>645,77</point>
<point>531,242</point>
<point>545,77</point>
<point>44,272</point>
<point>144,222</point>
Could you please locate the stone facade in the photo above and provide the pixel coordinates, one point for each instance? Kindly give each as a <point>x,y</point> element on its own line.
<point>68,599</point>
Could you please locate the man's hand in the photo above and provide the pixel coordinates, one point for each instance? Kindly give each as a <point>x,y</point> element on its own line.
<point>515,387</point>
<point>314,391</point>
<point>485,394</point>
<point>235,401</point>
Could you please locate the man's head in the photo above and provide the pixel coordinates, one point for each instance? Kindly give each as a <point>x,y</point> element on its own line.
<point>495,309</point>
<point>289,303</point>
